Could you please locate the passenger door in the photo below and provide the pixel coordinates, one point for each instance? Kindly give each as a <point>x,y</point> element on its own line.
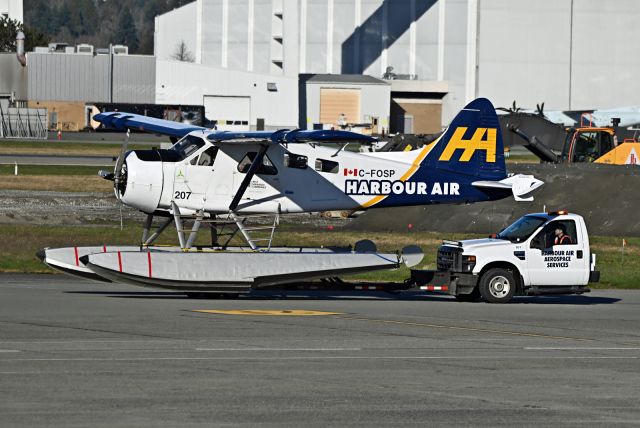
<point>557,264</point>
<point>191,190</point>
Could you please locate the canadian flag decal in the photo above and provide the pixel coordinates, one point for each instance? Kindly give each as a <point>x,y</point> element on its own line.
<point>353,172</point>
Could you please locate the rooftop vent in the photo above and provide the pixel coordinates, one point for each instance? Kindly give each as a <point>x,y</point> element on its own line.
<point>84,49</point>
<point>120,50</point>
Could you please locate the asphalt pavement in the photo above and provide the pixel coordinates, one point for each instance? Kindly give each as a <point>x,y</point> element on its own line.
<point>76,353</point>
<point>34,159</point>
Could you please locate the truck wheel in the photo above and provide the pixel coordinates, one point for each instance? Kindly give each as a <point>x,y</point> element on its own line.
<point>497,286</point>
<point>474,296</point>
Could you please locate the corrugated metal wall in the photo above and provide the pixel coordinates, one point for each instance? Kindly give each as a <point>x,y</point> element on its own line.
<point>73,77</point>
<point>134,79</point>
<point>13,77</point>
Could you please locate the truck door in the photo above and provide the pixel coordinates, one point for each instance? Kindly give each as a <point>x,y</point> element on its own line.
<point>556,255</point>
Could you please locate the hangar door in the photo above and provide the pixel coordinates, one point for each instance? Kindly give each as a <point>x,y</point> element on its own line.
<point>229,113</point>
<point>334,102</point>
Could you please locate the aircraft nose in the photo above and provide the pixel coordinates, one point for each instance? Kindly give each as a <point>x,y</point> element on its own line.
<point>141,179</point>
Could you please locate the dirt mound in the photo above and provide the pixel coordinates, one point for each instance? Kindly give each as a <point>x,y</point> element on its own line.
<point>607,196</point>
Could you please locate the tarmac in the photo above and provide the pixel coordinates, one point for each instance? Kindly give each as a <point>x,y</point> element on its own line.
<point>34,159</point>
<point>76,353</point>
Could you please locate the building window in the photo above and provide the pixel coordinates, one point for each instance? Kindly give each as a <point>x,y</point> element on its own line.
<point>323,165</point>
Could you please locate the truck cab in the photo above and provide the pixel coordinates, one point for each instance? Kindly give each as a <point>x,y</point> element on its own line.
<point>540,253</point>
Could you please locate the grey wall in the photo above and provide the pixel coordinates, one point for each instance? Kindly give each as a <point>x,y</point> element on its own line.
<point>174,27</point>
<point>187,83</point>
<point>65,77</point>
<point>524,51</point>
<point>541,51</point>
<point>73,77</point>
<point>13,76</point>
<point>211,29</point>
<point>605,60</point>
<point>134,79</point>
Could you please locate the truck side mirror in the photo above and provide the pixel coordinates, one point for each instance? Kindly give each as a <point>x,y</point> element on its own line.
<point>536,243</point>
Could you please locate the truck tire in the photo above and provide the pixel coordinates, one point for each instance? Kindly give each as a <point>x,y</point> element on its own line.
<point>497,285</point>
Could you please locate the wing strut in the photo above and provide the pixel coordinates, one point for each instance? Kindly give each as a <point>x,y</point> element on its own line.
<point>257,161</point>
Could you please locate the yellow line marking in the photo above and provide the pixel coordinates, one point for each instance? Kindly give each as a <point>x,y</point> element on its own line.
<point>474,329</point>
<point>293,312</point>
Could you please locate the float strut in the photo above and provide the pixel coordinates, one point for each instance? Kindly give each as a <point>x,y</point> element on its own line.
<point>179,226</point>
<point>147,226</point>
<point>157,233</point>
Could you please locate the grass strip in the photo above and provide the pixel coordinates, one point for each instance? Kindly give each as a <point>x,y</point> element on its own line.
<point>617,271</point>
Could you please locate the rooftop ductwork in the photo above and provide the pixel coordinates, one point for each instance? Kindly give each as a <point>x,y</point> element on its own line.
<point>22,58</point>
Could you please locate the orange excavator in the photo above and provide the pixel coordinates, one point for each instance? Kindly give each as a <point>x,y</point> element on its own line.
<point>586,143</point>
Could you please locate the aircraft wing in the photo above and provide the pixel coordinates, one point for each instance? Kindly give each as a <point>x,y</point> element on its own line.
<point>287,136</point>
<point>123,121</point>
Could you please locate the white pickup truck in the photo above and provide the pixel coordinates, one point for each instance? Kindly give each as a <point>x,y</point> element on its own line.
<point>543,253</point>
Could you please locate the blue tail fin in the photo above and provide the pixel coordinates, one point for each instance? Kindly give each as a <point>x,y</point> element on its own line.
<point>472,144</point>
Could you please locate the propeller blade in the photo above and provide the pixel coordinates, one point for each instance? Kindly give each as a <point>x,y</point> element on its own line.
<point>106,175</point>
<point>118,169</point>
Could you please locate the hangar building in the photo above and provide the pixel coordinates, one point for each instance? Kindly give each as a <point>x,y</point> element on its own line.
<point>251,62</point>
<point>11,9</point>
<point>443,53</point>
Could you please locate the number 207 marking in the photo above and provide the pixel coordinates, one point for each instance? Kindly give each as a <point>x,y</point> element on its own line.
<point>181,195</point>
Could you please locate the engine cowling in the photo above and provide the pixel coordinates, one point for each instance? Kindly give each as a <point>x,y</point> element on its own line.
<point>140,184</point>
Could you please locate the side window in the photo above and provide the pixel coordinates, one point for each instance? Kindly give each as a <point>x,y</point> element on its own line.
<point>208,157</point>
<point>292,160</point>
<point>323,165</point>
<point>267,167</point>
<point>561,232</point>
<point>606,143</point>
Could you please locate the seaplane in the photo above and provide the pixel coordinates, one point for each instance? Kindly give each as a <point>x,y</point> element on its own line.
<point>241,183</point>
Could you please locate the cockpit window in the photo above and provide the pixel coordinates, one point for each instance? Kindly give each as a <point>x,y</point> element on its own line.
<point>187,146</point>
<point>208,157</point>
<point>267,167</point>
<point>521,229</point>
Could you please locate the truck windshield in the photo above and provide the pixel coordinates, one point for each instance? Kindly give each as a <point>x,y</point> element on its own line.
<point>187,146</point>
<point>521,229</point>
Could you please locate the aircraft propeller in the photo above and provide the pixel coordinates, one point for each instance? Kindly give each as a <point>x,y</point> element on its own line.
<point>119,175</point>
<point>512,109</point>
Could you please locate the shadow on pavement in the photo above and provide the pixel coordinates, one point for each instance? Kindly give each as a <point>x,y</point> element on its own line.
<point>578,300</point>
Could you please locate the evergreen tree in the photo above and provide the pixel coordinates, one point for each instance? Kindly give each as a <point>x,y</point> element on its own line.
<point>8,30</point>
<point>126,32</point>
<point>98,22</point>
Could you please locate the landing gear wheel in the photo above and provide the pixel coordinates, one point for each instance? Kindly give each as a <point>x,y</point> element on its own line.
<point>474,296</point>
<point>497,286</point>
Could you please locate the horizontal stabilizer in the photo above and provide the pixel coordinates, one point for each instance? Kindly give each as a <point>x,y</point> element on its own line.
<point>519,184</point>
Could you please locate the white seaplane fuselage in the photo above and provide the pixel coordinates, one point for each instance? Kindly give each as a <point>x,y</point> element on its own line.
<point>294,179</point>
